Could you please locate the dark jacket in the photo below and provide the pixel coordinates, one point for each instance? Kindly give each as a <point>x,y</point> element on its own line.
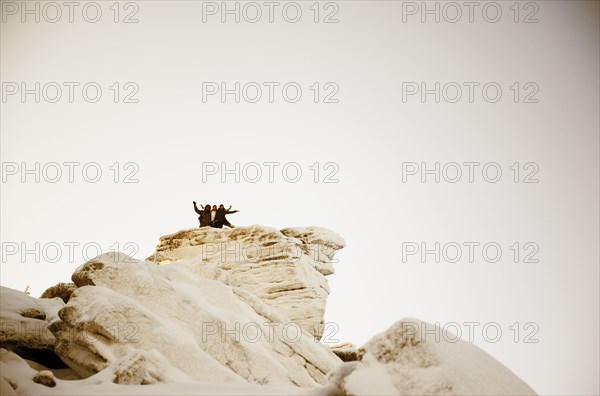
<point>204,217</point>
<point>220,219</point>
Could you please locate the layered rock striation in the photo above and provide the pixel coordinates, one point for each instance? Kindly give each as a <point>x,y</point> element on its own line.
<point>190,318</point>
<point>285,269</point>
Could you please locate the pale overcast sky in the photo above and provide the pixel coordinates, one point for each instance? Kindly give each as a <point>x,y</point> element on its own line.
<point>525,84</point>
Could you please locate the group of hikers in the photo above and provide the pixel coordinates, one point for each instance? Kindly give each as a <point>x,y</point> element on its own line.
<point>214,217</point>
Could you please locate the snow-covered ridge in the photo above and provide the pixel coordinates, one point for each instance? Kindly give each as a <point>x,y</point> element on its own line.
<point>413,358</point>
<point>221,312</point>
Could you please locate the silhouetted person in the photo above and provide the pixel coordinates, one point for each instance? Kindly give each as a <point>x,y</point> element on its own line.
<point>204,217</point>
<point>213,215</point>
<point>220,219</point>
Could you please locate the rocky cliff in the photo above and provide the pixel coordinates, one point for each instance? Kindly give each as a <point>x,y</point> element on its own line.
<point>220,312</point>
<point>285,269</point>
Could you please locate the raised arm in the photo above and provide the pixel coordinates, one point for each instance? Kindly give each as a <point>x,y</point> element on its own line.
<point>196,208</point>
<point>231,211</point>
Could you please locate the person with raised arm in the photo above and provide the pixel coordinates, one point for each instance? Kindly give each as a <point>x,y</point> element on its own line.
<point>204,218</point>
<point>220,219</point>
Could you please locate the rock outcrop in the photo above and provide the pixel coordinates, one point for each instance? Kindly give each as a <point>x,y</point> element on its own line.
<point>236,311</point>
<point>60,290</point>
<point>347,352</point>
<point>133,374</point>
<point>417,358</point>
<point>24,324</point>
<point>194,322</point>
<point>286,269</point>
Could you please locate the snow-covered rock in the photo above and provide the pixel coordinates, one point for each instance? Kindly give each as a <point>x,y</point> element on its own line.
<point>286,269</point>
<point>416,358</point>
<point>61,290</point>
<point>194,321</point>
<point>348,352</point>
<point>18,378</point>
<point>234,312</point>
<point>24,325</point>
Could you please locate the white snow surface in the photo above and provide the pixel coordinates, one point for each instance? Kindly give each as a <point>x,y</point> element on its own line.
<point>415,358</point>
<point>16,371</point>
<point>14,303</point>
<point>24,320</point>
